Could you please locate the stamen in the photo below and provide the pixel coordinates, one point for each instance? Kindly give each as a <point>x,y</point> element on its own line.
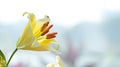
<point>44,26</point>
<point>47,30</point>
<point>50,27</point>
<point>51,35</point>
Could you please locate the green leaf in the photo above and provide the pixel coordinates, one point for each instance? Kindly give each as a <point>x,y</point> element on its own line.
<point>2,55</point>
<point>2,59</point>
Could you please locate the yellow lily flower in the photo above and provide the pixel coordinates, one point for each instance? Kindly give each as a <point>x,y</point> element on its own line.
<point>59,63</point>
<point>36,35</point>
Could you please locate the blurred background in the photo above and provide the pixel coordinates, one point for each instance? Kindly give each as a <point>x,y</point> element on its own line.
<point>88,31</point>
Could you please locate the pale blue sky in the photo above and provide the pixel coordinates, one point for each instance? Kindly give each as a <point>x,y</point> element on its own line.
<point>64,12</point>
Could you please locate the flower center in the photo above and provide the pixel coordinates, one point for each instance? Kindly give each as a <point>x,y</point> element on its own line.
<point>45,29</point>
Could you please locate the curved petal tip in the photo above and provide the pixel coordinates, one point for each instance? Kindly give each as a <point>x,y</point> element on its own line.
<point>25,13</point>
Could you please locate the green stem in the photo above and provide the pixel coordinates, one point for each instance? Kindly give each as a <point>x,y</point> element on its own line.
<point>11,57</point>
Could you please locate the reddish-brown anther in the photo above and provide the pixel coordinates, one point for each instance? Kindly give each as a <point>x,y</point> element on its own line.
<point>47,30</point>
<point>51,35</point>
<point>44,26</point>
